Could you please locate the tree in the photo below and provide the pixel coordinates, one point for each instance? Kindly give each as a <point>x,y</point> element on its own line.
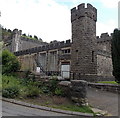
<point>10,63</point>
<point>24,34</point>
<point>115,49</point>
<point>35,37</point>
<point>30,36</point>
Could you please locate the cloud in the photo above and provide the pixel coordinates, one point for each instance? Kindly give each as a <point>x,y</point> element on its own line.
<point>107,26</point>
<point>110,3</point>
<point>46,19</point>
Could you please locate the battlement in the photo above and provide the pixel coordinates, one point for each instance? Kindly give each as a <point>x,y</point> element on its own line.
<point>47,47</point>
<point>16,31</point>
<point>104,37</point>
<point>81,11</point>
<point>33,41</point>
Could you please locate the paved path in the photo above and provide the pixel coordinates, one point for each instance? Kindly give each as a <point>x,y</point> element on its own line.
<point>103,100</point>
<point>10,109</point>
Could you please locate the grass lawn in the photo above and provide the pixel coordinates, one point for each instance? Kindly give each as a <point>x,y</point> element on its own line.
<point>108,82</point>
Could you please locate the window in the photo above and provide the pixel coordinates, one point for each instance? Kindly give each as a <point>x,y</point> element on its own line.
<point>92,56</point>
<point>66,51</point>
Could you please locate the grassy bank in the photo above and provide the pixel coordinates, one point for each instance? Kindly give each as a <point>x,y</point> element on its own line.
<point>38,93</point>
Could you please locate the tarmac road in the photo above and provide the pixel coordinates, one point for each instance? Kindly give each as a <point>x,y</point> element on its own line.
<point>10,109</point>
<point>103,100</point>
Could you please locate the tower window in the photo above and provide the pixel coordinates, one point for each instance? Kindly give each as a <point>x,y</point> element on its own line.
<point>92,56</point>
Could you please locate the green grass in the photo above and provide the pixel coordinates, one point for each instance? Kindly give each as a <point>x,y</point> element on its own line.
<point>9,81</point>
<point>24,90</point>
<point>108,82</point>
<point>31,90</point>
<point>83,109</point>
<point>29,37</point>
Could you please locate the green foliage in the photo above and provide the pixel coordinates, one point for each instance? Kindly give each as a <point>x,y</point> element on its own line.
<point>10,63</point>
<point>83,109</point>
<point>13,87</point>
<point>45,89</point>
<point>35,37</point>
<point>53,84</point>
<point>10,92</point>
<point>31,91</point>
<point>59,92</point>
<point>24,34</point>
<point>115,48</point>
<point>29,37</point>
<point>6,33</point>
<point>108,82</point>
<point>9,81</point>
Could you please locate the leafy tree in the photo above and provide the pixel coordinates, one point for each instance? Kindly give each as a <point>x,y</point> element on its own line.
<point>10,63</point>
<point>30,36</point>
<point>115,48</point>
<point>35,37</point>
<point>24,34</point>
<point>9,30</point>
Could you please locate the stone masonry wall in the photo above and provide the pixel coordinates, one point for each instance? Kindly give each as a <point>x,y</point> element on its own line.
<point>104,66</point>
<point>84,56</point>
<point>88,55</point>
<point>104,42</point>
<point>50,60</point>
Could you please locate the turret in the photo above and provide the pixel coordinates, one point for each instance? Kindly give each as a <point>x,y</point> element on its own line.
<point>84,57</point>
<point>16,34</point>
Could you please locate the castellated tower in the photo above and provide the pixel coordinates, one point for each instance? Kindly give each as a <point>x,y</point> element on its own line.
<point>84,57</point>
<point>16,40</point>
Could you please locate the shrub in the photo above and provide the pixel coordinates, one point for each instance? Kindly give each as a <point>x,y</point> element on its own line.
<point>115,50</point>
<point>59,92</point>
<point>53,84</point>
<point>10,63</point>
<point>9,81</point>
<point>31,91</point>
<point>45,89</point>
<point>10,92</point>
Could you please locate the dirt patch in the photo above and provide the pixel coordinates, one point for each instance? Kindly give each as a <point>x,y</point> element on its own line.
<point>48,100</point>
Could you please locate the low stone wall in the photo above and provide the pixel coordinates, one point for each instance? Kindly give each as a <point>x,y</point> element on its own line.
<point>76,90</point>
<point>107,87</point>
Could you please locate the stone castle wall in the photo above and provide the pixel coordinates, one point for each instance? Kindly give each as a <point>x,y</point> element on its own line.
<point>104,42</point>
<point>17,42</point>
<point>87,55</point>
<point>50,56</point>
<point>84,56</point>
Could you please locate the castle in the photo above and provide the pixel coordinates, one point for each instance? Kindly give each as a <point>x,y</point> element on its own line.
<point>85,56</point>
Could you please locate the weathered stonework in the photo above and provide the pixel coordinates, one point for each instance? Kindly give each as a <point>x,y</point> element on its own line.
<point>104,66</point>
<point>79,92</point>
<point>84,57</point>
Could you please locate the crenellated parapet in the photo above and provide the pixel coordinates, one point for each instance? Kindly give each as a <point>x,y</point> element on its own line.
<point>31,40</point>
<point>16,31</point>
<point>104,37</point>
<point>57,45</point>
<point>81,11</point>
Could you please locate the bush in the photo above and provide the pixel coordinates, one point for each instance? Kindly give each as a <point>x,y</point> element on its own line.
<point>10,63</point>
<point>115,50</point>
<point>59,92</point>
<point>45,89</point>
<point>31,91</point>
<point>53,84</point>
<point>8,81</point>
<point>10,92</point>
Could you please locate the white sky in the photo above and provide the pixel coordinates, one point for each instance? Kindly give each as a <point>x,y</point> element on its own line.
<point>50,19</point>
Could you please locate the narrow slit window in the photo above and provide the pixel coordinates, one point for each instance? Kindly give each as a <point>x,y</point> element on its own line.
<point>92,56</point>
